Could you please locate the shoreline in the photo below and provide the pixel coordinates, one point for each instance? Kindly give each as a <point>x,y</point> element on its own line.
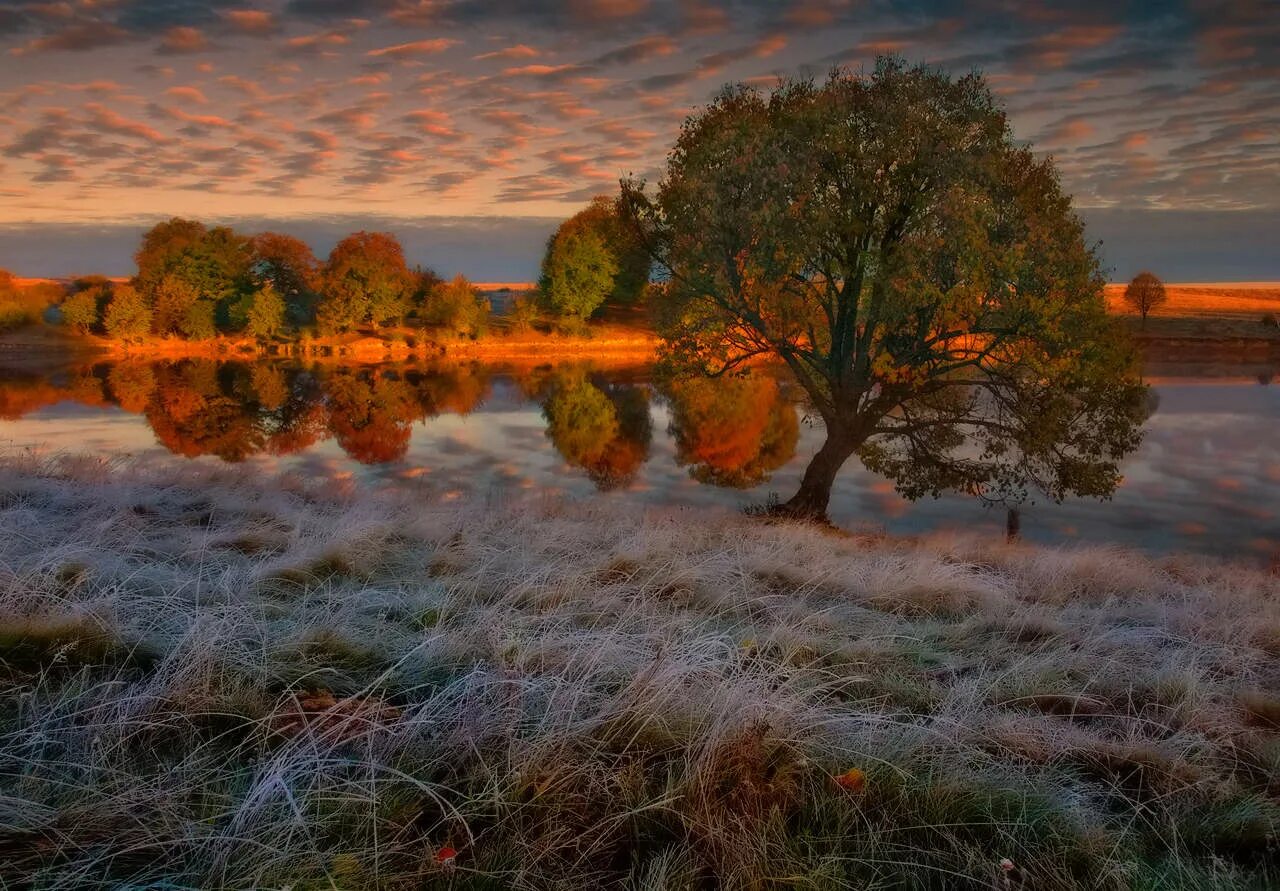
<point>609,343</point>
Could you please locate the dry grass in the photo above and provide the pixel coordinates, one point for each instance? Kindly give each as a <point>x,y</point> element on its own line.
<point>581,696</point>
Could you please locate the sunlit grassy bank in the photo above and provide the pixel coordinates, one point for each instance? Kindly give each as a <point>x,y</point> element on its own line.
<point>208,681</point>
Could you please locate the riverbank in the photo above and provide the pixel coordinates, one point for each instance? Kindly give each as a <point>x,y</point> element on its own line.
<point>609,341</point>
<point>1200,322</point>
<point>212,679</point>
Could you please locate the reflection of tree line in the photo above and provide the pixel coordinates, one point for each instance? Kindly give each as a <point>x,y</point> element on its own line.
<point>235,409</point>
<point>728,432</point>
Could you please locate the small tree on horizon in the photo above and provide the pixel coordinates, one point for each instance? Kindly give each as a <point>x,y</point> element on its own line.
<point>1145,293</point>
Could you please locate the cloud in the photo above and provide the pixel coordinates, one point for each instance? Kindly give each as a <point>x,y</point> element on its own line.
<point>533,187</point>
<point>316,42</point>
<point>251,21</point>
<point>416,48</point>
<point>437,124</point>
<point>519,51</point>
<point>321,102</point>
<point>107,120</point>
<point>187,94</point>
<point>75,38</point>
<point>640,51</point>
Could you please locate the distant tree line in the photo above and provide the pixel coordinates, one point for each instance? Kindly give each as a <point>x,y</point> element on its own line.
<point>197,282</point>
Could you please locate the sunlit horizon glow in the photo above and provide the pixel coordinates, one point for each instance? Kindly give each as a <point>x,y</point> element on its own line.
<point>126,111</point>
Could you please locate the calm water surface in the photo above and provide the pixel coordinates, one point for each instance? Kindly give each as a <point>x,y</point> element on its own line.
<point>1206,479</point>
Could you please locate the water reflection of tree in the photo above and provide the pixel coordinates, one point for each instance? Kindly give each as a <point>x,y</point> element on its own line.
<point>451,389</point>
<point>235,409</point>
<point>606,431</point>
<point>733,431</point>
<point>195,411</point>
<point>131,385</point>
<point>371,414</point>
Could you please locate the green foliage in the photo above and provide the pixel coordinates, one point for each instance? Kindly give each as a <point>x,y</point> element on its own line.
<point>266,312</point>
<point>80,311</point>
<point>631,262</point>
<point>197,322</point>
<point>606,432</point>
<point>459,308</point>
<point>22,306</point>
<point>289,265</point>
<point>163,247</point>
<point>524,313</point>
<point>578,270</point>
<point>922,275</point>
<point>365,280</point>
<point>170,299</point>
<point>426,282</point>
<point>182,262</point>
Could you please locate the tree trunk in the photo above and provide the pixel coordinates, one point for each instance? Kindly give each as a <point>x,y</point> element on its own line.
<point>1013,524</point>
<point>811,500</point>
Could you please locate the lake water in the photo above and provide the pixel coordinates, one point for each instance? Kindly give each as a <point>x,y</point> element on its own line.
<point>1207,478</point>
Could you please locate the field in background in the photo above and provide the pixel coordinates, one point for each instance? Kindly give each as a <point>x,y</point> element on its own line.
<point>215,680</point>
<point>1251,300</point>
<point>1225,311</point>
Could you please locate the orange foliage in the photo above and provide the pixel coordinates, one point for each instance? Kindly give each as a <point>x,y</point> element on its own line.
<point>734,431</point>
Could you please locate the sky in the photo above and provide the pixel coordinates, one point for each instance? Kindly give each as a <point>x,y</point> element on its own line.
<point>471,127</point>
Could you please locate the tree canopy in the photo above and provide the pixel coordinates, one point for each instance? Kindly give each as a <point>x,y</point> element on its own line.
<point>922,275</point>
<point>593,257</point>
<point>457,307</point>
<point>1145,293</point>
<point>291,267</point>
<point>128,317</point>
<point>365,279</point>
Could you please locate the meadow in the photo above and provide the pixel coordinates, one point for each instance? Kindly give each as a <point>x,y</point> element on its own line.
<point>212,680</point>
<point>1227,311</point>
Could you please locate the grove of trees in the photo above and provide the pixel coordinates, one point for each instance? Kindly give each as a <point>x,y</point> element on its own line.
<point>593,258</point>
<point>921,273</point>
<point>198,282</point>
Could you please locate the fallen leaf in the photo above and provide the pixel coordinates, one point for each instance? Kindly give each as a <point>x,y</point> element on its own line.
<point>852,780</point>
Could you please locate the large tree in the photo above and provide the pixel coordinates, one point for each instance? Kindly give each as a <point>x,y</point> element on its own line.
<point>365,279</point>
<point>571,260</point>
<point>921,274</point>
<point>128,317</point>
<point>578,270</point>
<point>163,247</point>
<point>292,269</point>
